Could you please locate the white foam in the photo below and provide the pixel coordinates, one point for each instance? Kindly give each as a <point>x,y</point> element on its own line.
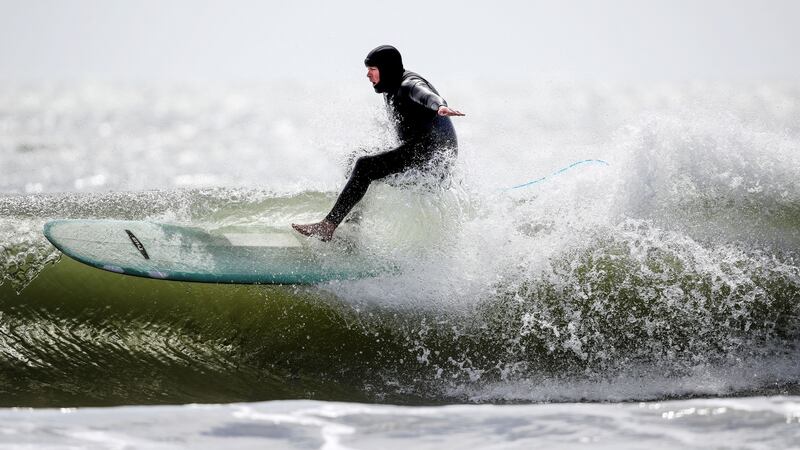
<point>754,422</point>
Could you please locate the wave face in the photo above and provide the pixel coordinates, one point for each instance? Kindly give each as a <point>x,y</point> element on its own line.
<point>671,273</point>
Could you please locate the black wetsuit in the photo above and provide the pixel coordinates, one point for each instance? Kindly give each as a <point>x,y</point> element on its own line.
<point>427,140</point>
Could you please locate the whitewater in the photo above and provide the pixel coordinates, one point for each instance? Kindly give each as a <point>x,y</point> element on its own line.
<point>652,299</point>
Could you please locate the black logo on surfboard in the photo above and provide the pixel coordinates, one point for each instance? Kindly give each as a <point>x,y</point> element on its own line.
<point>137,244</point>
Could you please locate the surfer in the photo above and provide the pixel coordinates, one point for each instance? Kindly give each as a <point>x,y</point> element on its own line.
<point>422,121</point>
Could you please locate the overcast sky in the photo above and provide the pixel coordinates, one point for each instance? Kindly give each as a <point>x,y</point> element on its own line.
<point>261,40</point>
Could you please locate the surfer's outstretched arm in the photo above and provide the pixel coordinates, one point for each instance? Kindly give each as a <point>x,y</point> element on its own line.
<point>422,94</point>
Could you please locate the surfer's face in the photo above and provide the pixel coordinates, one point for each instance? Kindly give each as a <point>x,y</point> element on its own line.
<point>374,75</point>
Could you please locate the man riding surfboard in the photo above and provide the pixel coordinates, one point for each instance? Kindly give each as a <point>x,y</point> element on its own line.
<point>422,121</point>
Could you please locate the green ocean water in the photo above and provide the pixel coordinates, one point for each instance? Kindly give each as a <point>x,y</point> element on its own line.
<point>682,317</point>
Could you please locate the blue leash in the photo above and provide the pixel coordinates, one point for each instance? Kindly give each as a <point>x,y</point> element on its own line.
<point>558,172</point>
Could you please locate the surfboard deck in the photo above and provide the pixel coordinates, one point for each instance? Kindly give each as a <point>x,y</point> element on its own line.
<point>181,253</point>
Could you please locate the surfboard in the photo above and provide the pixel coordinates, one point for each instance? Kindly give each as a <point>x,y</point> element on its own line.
<point>182,253</point>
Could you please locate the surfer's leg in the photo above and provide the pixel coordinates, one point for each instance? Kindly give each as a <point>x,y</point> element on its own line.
<point>351,159</point>
<point>366,170</point>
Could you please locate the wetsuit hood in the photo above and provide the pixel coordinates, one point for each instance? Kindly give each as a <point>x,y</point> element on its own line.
<point>390,65</point>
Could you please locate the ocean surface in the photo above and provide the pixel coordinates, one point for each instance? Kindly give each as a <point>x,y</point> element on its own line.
<point>650,301</point>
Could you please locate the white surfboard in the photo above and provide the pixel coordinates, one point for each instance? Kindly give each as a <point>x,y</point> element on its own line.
<point>173,252</point>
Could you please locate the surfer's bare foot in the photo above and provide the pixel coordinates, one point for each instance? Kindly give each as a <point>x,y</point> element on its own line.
<point>322,230</point>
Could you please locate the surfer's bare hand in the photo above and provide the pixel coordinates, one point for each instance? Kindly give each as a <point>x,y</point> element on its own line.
<point>445,111</point>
